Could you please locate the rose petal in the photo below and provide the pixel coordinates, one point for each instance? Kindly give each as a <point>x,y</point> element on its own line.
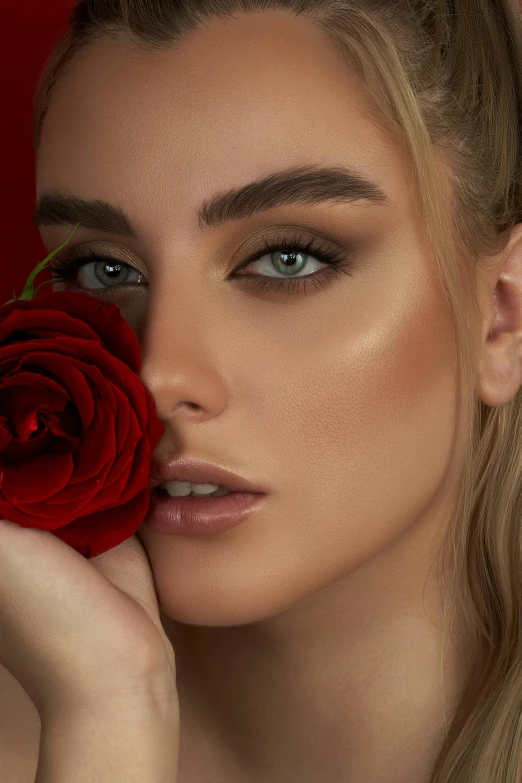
<point>35,479</point>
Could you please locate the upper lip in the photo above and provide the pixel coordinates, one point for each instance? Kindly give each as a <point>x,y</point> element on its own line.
<point>199,472</point>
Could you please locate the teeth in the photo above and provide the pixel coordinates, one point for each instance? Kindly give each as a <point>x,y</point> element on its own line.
<point>178,489</point>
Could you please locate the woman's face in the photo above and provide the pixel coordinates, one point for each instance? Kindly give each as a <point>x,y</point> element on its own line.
<point>339,397</point>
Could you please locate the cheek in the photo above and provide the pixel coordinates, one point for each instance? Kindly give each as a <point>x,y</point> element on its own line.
<point>372,430</point>
<point>133,308</point>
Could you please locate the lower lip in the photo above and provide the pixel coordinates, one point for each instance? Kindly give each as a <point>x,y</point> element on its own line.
<point>193,516</point>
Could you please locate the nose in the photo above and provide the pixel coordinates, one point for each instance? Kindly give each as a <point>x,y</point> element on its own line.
<point>178,365</point>
<point>183,387</point>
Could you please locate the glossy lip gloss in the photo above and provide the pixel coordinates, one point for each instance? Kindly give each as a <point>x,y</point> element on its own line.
<point>198,516</point>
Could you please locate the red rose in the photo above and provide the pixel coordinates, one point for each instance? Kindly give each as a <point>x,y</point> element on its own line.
<point>78,428</point>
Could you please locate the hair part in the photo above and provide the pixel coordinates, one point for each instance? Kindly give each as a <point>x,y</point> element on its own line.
<point>445,77</point>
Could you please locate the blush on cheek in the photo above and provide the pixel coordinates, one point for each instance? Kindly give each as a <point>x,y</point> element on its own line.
<point>384,442</point>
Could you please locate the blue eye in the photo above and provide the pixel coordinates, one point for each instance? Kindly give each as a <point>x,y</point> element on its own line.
<point>107,271</point>
<point>286,257</point>
<point>291,255</point>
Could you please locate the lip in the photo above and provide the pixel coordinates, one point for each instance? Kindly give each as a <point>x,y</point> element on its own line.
<point>200,472</point>
<point>191,516</point>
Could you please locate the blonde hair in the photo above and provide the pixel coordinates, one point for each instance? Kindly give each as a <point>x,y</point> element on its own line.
<point>446,79</point>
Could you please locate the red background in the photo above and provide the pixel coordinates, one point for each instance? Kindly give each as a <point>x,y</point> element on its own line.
<point>29,30</point>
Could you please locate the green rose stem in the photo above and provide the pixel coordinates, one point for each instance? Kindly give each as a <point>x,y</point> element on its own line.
<point>29,293</point>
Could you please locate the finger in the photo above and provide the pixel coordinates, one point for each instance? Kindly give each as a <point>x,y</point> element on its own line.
<point>128,567</point>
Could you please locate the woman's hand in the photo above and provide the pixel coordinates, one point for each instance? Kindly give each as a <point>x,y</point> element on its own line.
<point>85,641</point>
<point>77,632</point>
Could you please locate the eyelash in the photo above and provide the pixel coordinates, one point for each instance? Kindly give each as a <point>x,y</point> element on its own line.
<point>64,270</point>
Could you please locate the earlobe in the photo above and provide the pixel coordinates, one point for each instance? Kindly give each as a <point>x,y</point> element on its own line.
<point>500,372</point>
<point>500,367</point>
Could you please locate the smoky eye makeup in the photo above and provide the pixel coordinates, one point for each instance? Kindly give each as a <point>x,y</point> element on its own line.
<point>288,250</point>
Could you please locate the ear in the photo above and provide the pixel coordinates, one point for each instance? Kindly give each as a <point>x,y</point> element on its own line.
<point>500,359</point>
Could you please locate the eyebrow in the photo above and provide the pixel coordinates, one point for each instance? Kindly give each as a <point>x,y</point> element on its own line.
<point>301,185</point>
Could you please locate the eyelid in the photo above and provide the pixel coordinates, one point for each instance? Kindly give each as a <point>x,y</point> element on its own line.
<point>107,248</point>
<point>247,249</point>
<point>273,234</point>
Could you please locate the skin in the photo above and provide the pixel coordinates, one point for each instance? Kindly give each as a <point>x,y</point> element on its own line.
<point>307,639</point>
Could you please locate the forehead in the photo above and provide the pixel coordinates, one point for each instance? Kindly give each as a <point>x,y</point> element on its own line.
<point>234,100</point>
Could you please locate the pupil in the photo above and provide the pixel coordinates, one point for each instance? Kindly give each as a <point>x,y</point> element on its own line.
<point>293,255</point>
<point>109,271</point>
<point>115,269</point>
